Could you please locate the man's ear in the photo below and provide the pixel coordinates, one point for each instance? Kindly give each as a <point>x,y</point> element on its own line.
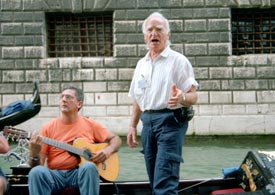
<point>80,104</point>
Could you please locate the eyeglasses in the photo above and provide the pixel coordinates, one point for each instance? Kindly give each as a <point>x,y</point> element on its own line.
<point>67,96</point>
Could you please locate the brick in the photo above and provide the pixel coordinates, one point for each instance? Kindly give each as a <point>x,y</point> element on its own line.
<point>234,109</point>
<point>203,97</point>
<point>32,75</point>
<point>256,60</point>
<point>7,41</point>
<point>147,4</point>
<point>176,26</point>
<point>36,5</point>
<point>220,72</point>
<point>92,111</point>
<point>6,64</point>
<point>192,3</point>
<point>50,88</point>
<point>83,74</point>
<point>244,97</point>
<point>105,99</point>
<point>105,74</point>
<point>233,84</point>
<point>118,110</point>
<point>23,16</point>
<point>123,99</point>
<point>219,24</point>
<point>220,97</point>
<point>7,5</point>
<point>6,88</point>
<point>195,25</point>
<point>219,48</point>
<point>257,84</point>
<point>49,63</point>
<point>53,99</point>
<point>244,72</point>
<point>55,75</point>
<point>125,74</point>
<point>195,49</point>
<point>118,86</point>
<point>93,62</point>
<point>210,85</point>
<point>266,72</point>
<point>95,86</point>
<point>70,62</point>
<point>205,12</point>
<point>12,28</point>
<point>115,62</point>
<point>33,28</point>
<point>125,26</point>
<point>33,52</point>
<point>13,76</point>
<point>247,125</point>
<point>89,98</point>
<point>12,52</point>
<point>207,61</point>
<point>170,3</point>
<point>265,96</point>
<point>125,50</point>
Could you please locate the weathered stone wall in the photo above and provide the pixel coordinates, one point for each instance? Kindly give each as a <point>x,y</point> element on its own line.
<point>236,94</point>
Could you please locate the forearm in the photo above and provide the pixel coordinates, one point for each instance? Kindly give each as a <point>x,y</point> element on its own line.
<point>190,98</point>
<point>135,115</point>
<point>115,144</point>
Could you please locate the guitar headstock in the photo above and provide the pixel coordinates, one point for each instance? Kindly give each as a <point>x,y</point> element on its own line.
<point>14,133</point>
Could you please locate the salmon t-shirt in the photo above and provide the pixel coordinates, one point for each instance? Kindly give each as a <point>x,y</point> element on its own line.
<point>86,128</point>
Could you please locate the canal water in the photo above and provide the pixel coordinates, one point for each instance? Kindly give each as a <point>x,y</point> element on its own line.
<point>204,156</point>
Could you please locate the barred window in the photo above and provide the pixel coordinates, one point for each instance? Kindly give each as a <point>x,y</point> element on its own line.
<point>79,35</point>
<point>253,31</point>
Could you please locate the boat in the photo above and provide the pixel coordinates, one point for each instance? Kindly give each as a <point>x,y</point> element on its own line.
<point>23,114</point>
<point>254,176</point>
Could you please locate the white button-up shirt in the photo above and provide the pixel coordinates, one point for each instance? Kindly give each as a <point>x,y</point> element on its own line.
<point>152,82</point>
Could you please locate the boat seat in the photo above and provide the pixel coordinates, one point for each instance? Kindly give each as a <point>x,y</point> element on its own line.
<point>69,191</point>
<point>227,191</point>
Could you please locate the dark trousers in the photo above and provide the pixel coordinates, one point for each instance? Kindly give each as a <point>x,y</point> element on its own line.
<point>162,139</point>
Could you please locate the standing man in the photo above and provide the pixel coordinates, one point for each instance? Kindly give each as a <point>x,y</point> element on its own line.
<point>63,168</point>
<point>163,86</point>
<point>4,148</point>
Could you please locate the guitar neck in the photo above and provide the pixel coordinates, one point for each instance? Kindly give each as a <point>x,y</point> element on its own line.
<point>64,146</point>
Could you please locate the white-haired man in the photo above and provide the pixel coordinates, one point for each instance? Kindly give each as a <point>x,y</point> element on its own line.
<point>163,86</point>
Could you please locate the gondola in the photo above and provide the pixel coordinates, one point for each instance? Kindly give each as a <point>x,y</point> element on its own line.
<point>254,176</point>
<point>22,115</point>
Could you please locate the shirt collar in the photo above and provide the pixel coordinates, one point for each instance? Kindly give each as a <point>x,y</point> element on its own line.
<point>164,53</point>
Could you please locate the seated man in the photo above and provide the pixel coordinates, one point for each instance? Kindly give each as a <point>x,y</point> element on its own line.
<point>4,148</point>
<point>63,168</point>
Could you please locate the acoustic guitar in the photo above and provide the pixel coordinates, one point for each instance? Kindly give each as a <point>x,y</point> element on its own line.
<point>108,170</point>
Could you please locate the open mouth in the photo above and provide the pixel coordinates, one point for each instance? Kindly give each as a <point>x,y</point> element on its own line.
<point>154,40</point>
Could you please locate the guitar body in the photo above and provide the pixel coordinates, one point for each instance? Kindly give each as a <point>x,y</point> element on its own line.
<point>109,169</point>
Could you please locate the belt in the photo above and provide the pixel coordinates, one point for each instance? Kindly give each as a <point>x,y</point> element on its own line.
<point>162,110</point>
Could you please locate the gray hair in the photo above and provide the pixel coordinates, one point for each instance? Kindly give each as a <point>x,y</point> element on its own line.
<point>156,15</point>
<point>78,92</point>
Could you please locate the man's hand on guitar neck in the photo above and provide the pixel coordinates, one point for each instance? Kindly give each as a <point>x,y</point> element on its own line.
<point>35,147</point>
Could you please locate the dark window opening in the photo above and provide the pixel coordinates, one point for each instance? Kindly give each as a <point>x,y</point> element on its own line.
<point>79,35</point>
<point>253,31</point>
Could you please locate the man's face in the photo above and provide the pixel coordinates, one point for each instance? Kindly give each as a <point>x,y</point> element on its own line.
<point>156,35</point>
<point>69,102</point>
